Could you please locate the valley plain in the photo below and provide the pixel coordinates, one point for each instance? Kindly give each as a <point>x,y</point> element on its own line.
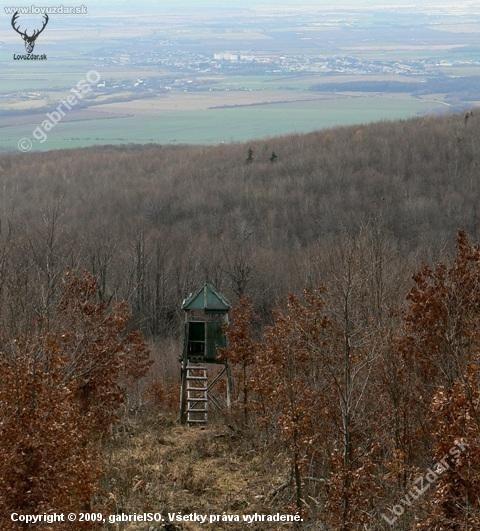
<point>217,76</point>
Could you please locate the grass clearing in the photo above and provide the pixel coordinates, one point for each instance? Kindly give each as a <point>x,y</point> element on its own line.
<point>163,467</point>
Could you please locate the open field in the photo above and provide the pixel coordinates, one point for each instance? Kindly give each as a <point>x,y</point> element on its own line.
<point>213,100</point>
<point>137,122</point>
<point>297,81</point>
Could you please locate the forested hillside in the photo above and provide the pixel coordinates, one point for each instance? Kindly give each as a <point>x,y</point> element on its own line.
<point>153,222</point>
<point>320,241</point>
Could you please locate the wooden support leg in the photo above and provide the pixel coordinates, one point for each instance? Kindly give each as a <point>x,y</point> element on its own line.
<point>183,393</point>
<point>229,385</point>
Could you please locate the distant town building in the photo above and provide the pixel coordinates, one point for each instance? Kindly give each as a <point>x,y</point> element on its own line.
<point>227,56</point>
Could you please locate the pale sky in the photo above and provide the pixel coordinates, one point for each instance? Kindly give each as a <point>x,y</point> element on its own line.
<point>110,4</point>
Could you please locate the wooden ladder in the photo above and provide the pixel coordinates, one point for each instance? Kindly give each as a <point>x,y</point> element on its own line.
<point>197,394</point>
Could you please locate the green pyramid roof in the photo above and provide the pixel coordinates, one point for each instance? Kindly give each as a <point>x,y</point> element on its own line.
<point>206,298</point>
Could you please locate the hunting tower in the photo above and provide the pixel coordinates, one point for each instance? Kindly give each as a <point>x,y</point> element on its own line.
<point>206,314</point>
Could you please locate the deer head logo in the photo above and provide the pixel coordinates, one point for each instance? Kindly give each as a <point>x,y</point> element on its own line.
<point>29,39</point>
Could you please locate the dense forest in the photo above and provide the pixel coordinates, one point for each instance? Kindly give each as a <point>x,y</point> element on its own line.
<point>350,257</point>
<point>152,222</point>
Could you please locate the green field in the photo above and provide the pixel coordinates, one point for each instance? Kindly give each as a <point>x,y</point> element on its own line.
<point>221,124</point>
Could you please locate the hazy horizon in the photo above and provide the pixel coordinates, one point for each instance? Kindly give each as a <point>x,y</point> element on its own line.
<point>218,71</point>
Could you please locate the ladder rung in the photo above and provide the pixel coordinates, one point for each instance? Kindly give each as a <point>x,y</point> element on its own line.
<point>196,406</point>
